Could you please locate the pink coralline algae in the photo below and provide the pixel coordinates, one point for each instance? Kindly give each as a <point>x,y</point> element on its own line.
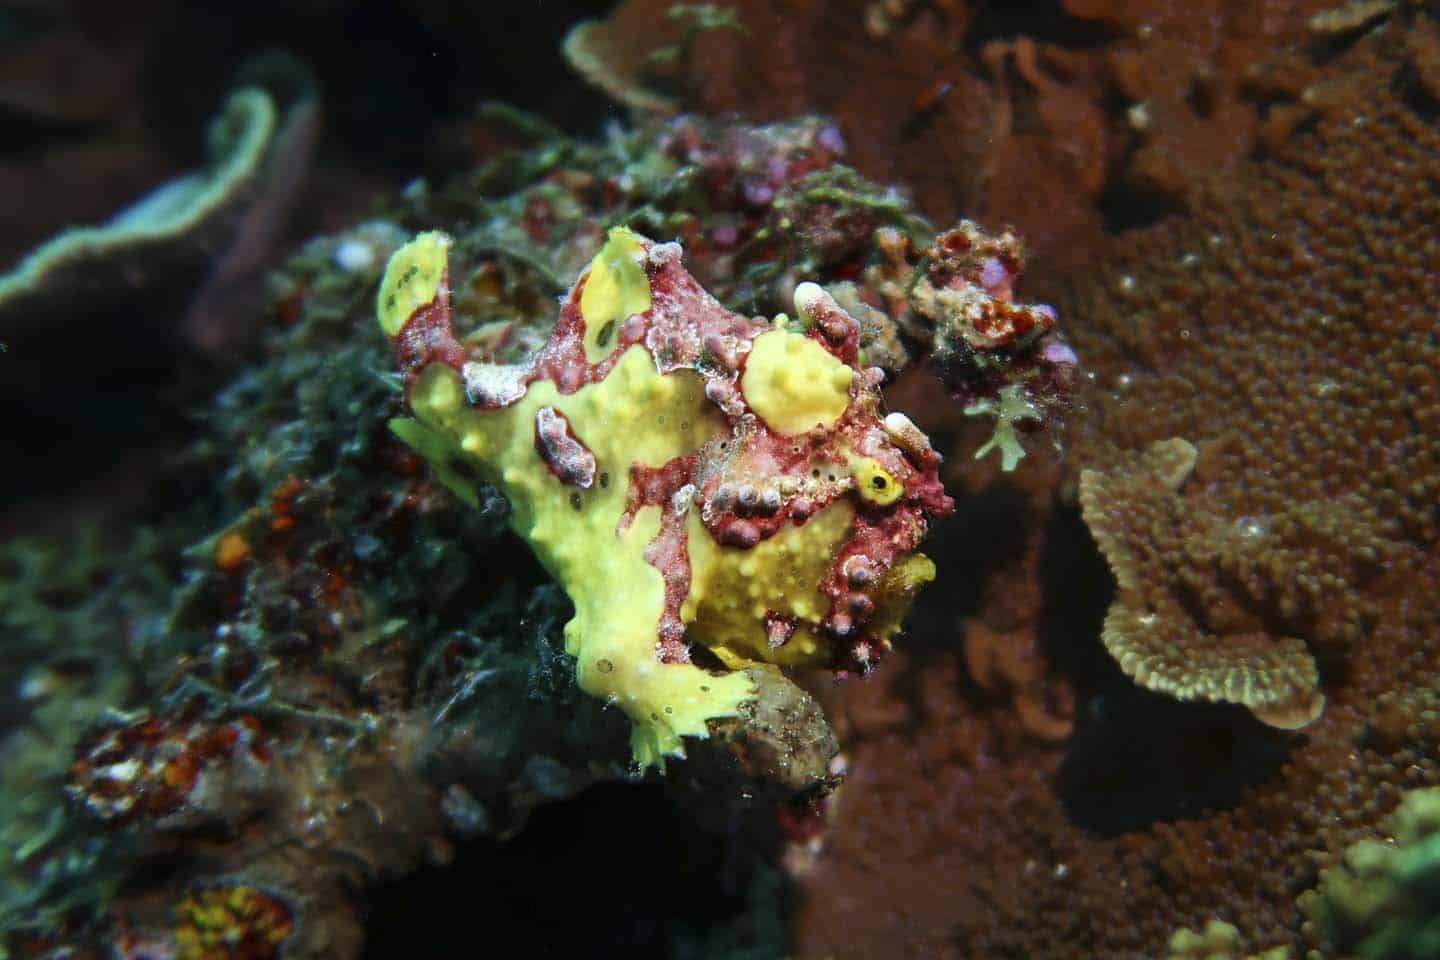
<point>967,291</point>
<point>998,357</point>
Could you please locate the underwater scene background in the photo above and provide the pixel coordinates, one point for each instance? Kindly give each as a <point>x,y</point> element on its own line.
<point>814,479</point>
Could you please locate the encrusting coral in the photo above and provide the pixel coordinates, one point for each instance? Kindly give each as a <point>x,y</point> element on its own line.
<point>238,140</point>
<point>200,238</point>
<point>1283,329</point>
<point>697,480</point>
<point>1148,630</point>
<point>1288,493</point>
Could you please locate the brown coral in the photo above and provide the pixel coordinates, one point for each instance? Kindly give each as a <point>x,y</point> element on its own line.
<point>914,104</point>
<point>1302,387</point>
<point>1051,119</point>
<point>1184,72</point>
<point>1134,512</point>
<point>1285,330</point>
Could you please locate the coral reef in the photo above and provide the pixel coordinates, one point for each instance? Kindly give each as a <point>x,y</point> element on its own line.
<point>1194,81</point>
<point>316,676</point>
<point>1283,331</point>
<point>1379,901</point>
<point>1302,441</point>
<point>154,292</point>
<point>349,679</point>
<point>879,82</point>
<point>1149,630</point>
<point>303,718</point>
<point>183,221</point>
<point>735,475</point>
<point>1055,118</point>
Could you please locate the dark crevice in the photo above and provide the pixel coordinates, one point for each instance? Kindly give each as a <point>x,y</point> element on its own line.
<point>1044,21</point>
<point>618,871</point>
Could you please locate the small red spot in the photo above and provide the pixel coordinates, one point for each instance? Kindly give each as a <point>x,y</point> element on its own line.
<point>290,308</point>
<point>224,739</point>
<point>181,772</point>
<point>929,98</point>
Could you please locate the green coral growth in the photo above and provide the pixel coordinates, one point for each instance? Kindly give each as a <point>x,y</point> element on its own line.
<point>1011,407</point>
<point>1383,901</point>
<point>1217,940</point>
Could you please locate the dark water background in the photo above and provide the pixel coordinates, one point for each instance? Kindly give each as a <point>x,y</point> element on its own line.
<point>101,102</point>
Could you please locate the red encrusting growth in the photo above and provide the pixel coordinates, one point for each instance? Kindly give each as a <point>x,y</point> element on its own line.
<point>978,271</point>
<point>426,337</point>
<point>148,769</point>
<point>668,488</point>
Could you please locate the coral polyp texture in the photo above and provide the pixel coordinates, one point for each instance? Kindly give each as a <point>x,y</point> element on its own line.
<point>712,490</point>
<point>1284,331</point>
<point>1148,630</point>
<point>1286,495</point>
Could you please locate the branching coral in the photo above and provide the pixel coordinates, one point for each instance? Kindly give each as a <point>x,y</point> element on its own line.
<point>697,480</point>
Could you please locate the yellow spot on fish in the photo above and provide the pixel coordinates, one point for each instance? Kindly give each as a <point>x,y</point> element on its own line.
<point>794,384</point>
<point>412,279</point>
<point>874,483</point>
<point>616,288</point>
